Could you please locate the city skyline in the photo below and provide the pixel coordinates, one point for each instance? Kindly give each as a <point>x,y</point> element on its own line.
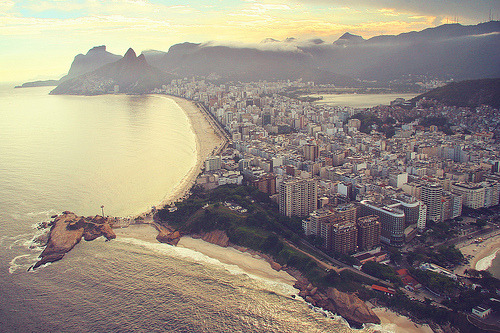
<point>40,38</point>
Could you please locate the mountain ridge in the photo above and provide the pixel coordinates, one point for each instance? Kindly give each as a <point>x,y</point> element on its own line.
<point>447,51</point>
<point>469,93</point>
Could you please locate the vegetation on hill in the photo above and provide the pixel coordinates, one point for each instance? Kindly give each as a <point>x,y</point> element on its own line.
<point>471,93</point>
<point>382,271</point>
<point>441,122</point>
<point>370,121</point>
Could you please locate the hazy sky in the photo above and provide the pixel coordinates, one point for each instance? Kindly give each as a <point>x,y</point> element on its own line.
<point>39,38</point>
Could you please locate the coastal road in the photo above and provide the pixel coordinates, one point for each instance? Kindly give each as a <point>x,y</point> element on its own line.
<point>341,265</point>
<point>486,232</point>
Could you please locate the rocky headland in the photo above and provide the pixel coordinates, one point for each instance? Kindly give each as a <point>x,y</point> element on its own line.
<point>67,229</point>
<point>347,305</point>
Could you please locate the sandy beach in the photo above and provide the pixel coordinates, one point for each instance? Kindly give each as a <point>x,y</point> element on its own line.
<point>399,324</point>
<point>482,254</point>
<point>207,139</point>
<point>251,264</point>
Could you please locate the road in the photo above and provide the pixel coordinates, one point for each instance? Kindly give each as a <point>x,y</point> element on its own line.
<point>342,266</point>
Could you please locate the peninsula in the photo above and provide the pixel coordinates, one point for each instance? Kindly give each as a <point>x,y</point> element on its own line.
<point>67,230</point>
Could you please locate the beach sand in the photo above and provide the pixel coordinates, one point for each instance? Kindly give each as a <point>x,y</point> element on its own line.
<point>482,254</point>
<point>252,265</point>
<point>399,324</point>
<point>207,139</point>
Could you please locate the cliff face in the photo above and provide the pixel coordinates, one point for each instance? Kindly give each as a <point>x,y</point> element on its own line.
<point>217,237</point>
<point>67,230</point>
<point>348,306</point>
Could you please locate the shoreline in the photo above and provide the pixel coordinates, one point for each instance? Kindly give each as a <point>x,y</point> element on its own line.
<point>398,323</point>
<point>481,254</point>
<point>207,140</point>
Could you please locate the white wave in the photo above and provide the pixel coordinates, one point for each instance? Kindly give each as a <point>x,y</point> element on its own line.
<point>46,213</point>
<point>328,314</point>
<point>486,262</point>
<point>381,328</point>
<point>21,262</point>
<point>280,288</point>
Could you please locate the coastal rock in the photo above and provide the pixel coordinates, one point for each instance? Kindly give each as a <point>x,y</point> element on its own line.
<point>217,237</point>
<point>276,266</point>
<point>167,235</point>
<point>350,307</point>
<point>67,230</point>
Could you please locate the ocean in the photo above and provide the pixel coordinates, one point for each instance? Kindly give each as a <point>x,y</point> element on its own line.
<point>127,153</point>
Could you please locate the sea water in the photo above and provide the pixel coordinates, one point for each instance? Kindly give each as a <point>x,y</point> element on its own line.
<point>126,153</point>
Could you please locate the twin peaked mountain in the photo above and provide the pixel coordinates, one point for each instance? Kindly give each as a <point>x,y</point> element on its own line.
<point>448,51</point>
<point>130,74</point>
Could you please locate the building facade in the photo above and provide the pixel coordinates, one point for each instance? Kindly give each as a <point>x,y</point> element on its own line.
<point>298,197</point>
<point>368,232</point>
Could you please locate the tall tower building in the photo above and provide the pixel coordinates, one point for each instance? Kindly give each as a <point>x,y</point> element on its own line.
<point>311,152</point>
<point>344,237</point>
<point>298,197</point>
<point>348,212</point>
<point>431,196</point>
<point>213,163</point>
<point>422,217</point>
<point>368,232</point>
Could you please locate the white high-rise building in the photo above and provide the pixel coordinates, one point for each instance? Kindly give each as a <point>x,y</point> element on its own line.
<point>298,197</point>
<point>213,163</point>
<point>398,179</point>
<point>422,217</point>
<point>478,195</point>
<point>431,196</point>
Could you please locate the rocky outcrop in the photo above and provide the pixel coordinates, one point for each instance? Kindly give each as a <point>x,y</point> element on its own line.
<point>167,234</point>
<point>217,237</point>
<point>346,305</point>
<point>350,307</point>
<point>67,229</point>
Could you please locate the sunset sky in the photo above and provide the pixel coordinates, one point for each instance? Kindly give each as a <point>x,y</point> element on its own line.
<point>38,39</point>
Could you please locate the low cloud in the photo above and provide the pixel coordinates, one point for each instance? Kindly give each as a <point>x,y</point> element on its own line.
<point>476,10</point>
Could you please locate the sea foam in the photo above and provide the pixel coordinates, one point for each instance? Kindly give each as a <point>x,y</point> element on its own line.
<point>486,262</point>
<point>280,288</point>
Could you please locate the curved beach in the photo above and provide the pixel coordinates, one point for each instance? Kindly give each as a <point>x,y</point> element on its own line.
<point>207,139</point>
<point>483,253</point>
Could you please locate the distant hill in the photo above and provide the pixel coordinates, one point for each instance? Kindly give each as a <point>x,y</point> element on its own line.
<point>130,74</point>
<point>471,93</point>
<point>451,50</point>
<point>44,83</point>
<point>244,63</point>
<point>96,57</point>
